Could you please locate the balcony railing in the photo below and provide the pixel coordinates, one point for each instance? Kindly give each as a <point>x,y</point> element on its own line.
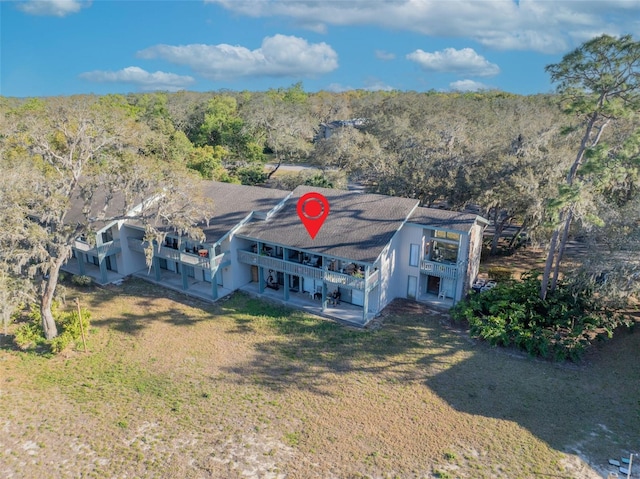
<point>218,260</point>
<point>136,244</point>
<point>106,249</point>
<point>279,265</point>
<point>344,279</point>
<point>168,253</point>
<point>373,280</point>
<point>441,270</point>
<point>83,246</point>
<point>291,267</point>
<point>195,259</point>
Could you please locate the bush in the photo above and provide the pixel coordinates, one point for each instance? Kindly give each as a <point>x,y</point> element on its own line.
<point>30,334</point>
<point>559,327</point>
<point>81,280</point>
<point>499,274</point>
<point>69,329</point>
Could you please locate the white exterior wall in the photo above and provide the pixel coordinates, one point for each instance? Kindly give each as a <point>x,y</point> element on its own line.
<point>394,265</point>
<point>129,261</point>
<point>240,273</point>
<point>226,272</point>
<point>409,234</point>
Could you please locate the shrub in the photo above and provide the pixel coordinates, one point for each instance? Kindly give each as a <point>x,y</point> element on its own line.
<point>559,327</point>
<point>70,331</point>
<point>81,280</point>
<point>30,334</point>
<point>499,274</point>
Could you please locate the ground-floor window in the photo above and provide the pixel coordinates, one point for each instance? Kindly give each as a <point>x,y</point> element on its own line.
<point>162,263</point>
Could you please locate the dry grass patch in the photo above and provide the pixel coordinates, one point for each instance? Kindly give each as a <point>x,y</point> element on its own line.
<point>177,388</point>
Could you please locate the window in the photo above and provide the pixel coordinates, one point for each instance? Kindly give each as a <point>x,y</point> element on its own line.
<point>447,235</point>
<point>444,252</point>
<point>414,254</point>
<point>107,236</point>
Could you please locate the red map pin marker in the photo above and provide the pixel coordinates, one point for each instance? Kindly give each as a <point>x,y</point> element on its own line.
<point>313,209</point>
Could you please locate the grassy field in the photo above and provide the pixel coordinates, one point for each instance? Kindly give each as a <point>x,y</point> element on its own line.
<point>173,388</point>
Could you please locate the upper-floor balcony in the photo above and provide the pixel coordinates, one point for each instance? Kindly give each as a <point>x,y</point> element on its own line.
<point>442,270</point>
<point>103,250</point>
<point>300,269</point>
<point>191,256</point>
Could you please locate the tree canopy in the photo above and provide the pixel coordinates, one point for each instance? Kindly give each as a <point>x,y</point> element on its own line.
<point>73,164</point>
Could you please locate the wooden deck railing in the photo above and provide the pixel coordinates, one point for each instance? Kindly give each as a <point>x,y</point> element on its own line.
<point>441,270</point>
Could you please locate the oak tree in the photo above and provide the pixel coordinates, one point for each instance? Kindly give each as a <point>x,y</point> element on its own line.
<point>70,165</point>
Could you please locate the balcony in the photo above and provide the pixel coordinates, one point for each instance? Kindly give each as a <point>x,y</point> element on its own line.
<point>279,265</point>
<point>194,259</point>
<point>106,249</point>
<point>167,253</point>
<point>137,244</point>
<point>290,267</point>
<point>217,261</point>
<point>349,281</point>
<point>83,246</point>
<point>442,270</point>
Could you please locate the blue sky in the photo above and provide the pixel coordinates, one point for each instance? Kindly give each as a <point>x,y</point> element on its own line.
<point>63,47</point>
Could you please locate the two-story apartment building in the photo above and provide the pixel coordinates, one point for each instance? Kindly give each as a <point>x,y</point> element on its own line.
<point>370,250</point>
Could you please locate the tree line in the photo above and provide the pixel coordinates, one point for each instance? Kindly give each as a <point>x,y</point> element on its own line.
<point>555,165</point>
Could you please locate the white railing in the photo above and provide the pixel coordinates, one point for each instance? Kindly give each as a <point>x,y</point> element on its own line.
<point>344,279</point>
<point>83,246</point>
<point>279,265</point>
<point>218,260</point>
<point>106,249</point>
<point>373,279</point>
<point>298,269</point>
<point>168,253</point>
<point>439,269</point>
<point>136,244</point>
<point>195,259</point>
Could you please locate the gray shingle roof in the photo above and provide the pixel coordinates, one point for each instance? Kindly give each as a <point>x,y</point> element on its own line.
<point>445,219</point>
<point>115,207</point>
<point>232,203</point>
<point>358,226</point>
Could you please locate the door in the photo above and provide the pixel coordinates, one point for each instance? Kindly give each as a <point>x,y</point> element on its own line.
<point>433,285</point>
<point>412,287</point>
<point>357,297</point>
<point>111,265</point>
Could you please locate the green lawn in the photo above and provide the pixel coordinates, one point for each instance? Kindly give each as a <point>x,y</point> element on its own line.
<point>176,388</point>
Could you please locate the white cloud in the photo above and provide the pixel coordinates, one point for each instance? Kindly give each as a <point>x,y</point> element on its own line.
<point>339,88</point>
<point>278,56</point>
<point>539,25</point>
<point>56,8</point>
<point>468,85</point>
<point>450,60</point>
<point>377,85</point>
<point>383,55</point>
<point>142,78</point>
